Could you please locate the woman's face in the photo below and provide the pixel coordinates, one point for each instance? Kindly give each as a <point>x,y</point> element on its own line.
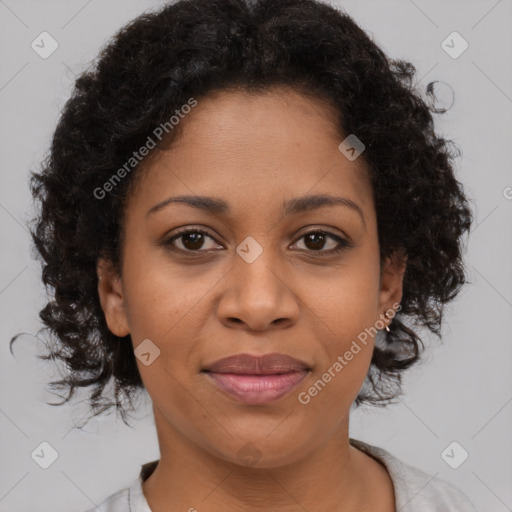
<point>256,283</point>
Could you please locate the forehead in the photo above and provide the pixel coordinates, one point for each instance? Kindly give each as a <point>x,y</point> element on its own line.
<point>254,149</point>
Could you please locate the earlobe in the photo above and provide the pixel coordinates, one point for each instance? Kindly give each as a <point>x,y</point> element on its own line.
<point>392,274</point>
<point>111,295</point>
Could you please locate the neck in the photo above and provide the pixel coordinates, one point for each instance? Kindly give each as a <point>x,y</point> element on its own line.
<point>188,477</point>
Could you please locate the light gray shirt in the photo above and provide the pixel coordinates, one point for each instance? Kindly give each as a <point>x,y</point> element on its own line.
<point>415,491</point>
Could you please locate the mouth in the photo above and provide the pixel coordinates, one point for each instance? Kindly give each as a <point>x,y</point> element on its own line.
<point>257,380</point>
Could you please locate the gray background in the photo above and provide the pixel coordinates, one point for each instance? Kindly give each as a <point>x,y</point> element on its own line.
<point>462,392</point>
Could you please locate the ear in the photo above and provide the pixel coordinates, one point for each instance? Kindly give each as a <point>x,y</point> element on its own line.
<point>391,281</point>
<point>110,291</point>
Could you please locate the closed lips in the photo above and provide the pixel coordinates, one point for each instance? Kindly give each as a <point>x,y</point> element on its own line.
<point>268,364</point>
<point>257,380</point>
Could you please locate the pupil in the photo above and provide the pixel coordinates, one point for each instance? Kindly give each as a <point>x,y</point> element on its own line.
<point>195,238</point>
<point>318,240</point>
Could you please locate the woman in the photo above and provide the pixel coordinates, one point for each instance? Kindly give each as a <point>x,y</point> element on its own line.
<point>247,212</point>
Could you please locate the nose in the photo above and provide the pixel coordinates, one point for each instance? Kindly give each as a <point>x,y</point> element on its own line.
<point>258,296</point>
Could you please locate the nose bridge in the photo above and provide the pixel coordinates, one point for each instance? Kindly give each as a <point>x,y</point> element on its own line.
<point>256,272</point>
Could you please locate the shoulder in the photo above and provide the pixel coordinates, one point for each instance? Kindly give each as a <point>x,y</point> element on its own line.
<point>131,498</point>
<point>117,502</point>
<point>128,499</point>
<point>415,490</point>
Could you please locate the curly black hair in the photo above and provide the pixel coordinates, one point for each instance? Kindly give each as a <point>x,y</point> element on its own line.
<point>188,49</point>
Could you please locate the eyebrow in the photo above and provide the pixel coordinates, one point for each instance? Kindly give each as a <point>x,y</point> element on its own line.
<point>290,207</point>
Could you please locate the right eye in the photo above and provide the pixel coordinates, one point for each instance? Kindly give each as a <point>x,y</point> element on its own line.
<point>191,240</point>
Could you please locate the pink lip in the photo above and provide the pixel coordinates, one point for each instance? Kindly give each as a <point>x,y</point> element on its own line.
<point>257,389</point>
<point>257,379</point>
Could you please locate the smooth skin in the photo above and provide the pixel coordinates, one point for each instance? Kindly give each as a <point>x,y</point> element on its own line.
<point>198,301</point>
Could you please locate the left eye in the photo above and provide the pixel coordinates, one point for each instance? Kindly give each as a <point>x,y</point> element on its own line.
<point>315,241</point>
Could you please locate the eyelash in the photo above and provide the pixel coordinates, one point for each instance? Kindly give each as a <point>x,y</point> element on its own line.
<point>342,243</point>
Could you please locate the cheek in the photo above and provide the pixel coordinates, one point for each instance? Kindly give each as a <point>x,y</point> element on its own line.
<point>347,348</point>
<point>167,307</point>
<point>347,307</point>
<point>345,354</point>
<point>163,300</point>
<point>346,302</point>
